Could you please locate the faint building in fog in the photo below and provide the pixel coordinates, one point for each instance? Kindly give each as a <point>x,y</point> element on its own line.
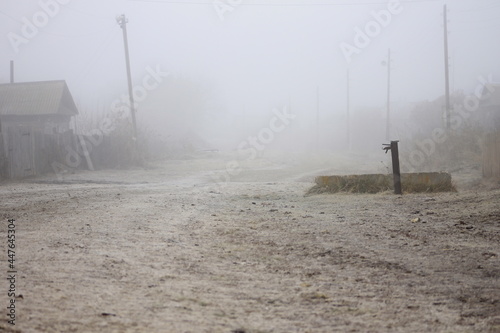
<point>35,125</point>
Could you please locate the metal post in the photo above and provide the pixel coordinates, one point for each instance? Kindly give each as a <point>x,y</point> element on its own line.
<point>396,173</point>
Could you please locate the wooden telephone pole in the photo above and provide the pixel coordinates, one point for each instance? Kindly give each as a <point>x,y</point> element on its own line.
<point>446,69</point>
<point>388,119</point>
<point>388,115</point>
<point>122,21</point>
<point>348,112</point>
<point>317,118</point>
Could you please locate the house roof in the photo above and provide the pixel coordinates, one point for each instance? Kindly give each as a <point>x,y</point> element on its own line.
<point>36,98</point>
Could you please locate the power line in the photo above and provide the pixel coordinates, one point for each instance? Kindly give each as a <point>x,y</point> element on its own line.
<point>10,16</point>
<point>282,4</point>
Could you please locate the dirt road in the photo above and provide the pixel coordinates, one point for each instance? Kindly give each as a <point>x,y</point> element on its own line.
<point>168,249</point>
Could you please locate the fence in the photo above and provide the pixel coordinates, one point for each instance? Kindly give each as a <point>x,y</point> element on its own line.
<point>491,155</point>
<point>113,151</point>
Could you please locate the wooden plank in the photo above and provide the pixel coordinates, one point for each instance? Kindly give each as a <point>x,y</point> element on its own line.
<point>491,156</point>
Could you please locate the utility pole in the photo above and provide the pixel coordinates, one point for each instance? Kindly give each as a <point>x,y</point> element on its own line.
<point>388,117</point>
<point>12,71</point>
<point>122,21</point>
<point>446,69</point>
<point>348,115</point>
<point>317,117</point>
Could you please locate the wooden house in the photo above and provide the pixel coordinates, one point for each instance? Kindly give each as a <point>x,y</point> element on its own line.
<point>35,126</point>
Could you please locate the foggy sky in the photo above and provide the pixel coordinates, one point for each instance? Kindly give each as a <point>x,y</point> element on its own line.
<point>262,54</point>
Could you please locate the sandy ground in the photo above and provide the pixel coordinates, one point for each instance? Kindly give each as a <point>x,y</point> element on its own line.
<point>169,249</point>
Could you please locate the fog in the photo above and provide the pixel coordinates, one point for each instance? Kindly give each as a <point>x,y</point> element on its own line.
<point>223,69</point>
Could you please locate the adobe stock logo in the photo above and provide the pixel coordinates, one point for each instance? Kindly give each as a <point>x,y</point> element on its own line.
<point>30,28</point>
<point>225,6</point>
<point>373,28</point>
<point>150,82</point>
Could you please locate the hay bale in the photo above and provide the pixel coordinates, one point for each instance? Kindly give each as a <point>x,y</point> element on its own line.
<point>376,183</point>
<point>354,183</point>
<point>427,182</point>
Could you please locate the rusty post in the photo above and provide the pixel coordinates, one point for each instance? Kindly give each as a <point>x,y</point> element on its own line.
<point>396,173</point>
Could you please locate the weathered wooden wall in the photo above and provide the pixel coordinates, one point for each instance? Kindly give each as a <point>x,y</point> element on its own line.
<point>491,155</point>
<point>3,159</point>
<point>110,151</point>
<point>31,152</point>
